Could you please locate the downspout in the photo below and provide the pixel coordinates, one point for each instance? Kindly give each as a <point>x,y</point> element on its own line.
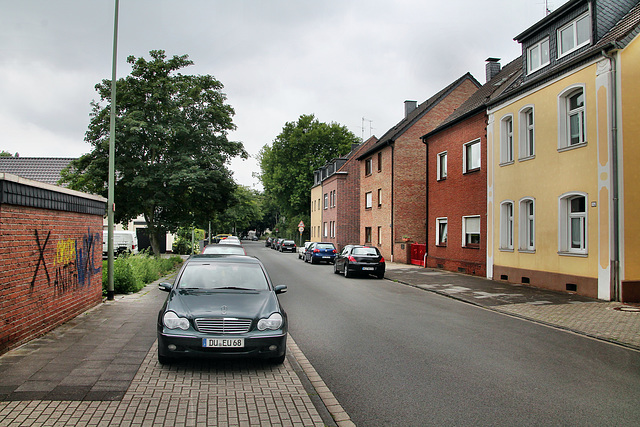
<point>393,205</point>
<point>426,204</point>
<point>615,262</point>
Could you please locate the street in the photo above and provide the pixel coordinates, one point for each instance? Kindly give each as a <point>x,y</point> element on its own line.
<point>397,355</point>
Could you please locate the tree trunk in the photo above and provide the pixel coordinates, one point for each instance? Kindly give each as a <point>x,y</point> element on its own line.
<point>153,235</point>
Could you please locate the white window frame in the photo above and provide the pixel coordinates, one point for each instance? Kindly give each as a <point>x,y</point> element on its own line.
<point>441,167</point>
<point>573,26</point>
<point>527,225</point>
<point>440,241</point>
<point>379,197</point>
<point>326,201</point>
<point>368,166</point>
<point>531,67</point>
<point>465,231</point>
<point>368,200</point>
<point>527,133</point>
<point>465,148</point>
<point>325,229</point>
<point>507,210</point>
<point>379,236</point>
<point>566,217</point>
<point>506,140</point>
<point>564,118</point>
<point>367,235</point>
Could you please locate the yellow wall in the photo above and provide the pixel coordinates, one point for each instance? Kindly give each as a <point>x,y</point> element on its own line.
<point>316,214</point>
<point>629,68</point>
<point>546,177</point>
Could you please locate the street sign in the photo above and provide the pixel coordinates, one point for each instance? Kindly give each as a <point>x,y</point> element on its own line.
<point>301,224</point>
<point>300,229</point>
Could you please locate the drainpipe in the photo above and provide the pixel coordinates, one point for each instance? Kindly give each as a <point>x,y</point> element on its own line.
<point>615,262</point>
<point>393,205</point>
<point>426,204</point>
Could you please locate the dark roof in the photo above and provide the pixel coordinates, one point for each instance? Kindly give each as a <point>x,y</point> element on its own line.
<point>478,101</point>
<point>402,126</point>
<point>623,32</point>
<point>42,169</point>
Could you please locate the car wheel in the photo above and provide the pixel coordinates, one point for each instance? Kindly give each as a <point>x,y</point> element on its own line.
<point>165,360</point>
<point>335,268</point>
<point>280,359</point>
<point>346,270</point>
<point>380,275</point>
<point>313,260</point>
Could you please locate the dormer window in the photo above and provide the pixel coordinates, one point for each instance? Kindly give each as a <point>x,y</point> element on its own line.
<point>575,35</point>
<point>538,56</point>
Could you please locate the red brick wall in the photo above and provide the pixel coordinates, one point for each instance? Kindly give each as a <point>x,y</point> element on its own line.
<point>330,214</point>
<point>50,270</point>
<point>456,196</point>
<point>380,213</point>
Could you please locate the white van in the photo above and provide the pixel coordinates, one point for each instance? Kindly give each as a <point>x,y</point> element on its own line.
<point>123,241</point>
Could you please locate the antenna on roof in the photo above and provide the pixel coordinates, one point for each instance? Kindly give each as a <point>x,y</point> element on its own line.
<point>370,126</point>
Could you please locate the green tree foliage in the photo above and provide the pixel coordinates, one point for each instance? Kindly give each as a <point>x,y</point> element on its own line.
<point>172,149</point>
<point>244,212</point>
<point>287,165</point>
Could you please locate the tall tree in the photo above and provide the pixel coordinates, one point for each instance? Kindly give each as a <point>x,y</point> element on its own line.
<point>287,165</point>
<point>172,149</point>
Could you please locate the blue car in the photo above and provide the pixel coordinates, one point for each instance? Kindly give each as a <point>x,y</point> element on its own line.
<point>320,252</point>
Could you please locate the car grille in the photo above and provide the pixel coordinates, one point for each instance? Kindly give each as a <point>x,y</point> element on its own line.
<point>223,325</point>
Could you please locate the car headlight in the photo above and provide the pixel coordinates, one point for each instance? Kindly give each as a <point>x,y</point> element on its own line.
<point>273,322</point>
<point>172,321</point>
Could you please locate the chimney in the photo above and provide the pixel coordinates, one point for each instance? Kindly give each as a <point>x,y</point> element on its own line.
<point>409,106</point>
<point>492,67</point>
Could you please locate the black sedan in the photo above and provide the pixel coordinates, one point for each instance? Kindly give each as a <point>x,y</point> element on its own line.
<point>357,259</point>
<point>287,246</point>
<point>222,306</point>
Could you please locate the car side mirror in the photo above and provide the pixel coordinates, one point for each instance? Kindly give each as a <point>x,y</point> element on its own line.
<point>165,287</point>
<point>281,289</point>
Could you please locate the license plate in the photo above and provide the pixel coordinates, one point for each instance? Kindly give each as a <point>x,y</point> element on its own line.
<point>368,268</point>
<point>223,342</point>
<point>326,257</point>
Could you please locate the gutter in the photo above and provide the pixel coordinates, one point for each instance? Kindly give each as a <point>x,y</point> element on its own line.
<point>393,205</point>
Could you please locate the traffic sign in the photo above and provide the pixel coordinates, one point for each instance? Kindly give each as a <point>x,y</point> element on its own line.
<point>301,224</point>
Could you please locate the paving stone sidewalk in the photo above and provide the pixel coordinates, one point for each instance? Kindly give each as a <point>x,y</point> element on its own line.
<point>611,321</point>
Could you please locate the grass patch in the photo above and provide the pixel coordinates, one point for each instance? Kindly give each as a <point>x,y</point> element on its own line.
<point>132,272</point>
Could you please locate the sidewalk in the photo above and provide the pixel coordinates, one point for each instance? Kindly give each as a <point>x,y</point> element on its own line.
<point>100,369</point>
<point>610,321</point>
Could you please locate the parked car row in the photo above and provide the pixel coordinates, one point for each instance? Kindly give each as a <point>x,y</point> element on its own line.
<point>280,244</point>
<point>351,260</point>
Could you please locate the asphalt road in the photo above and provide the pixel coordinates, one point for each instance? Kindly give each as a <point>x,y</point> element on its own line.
<point>397,355</point>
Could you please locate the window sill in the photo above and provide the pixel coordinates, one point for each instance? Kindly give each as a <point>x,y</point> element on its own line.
<point>439,245</point>
<point>507,163</point>
<point>527,251</point>
<point>524,159</point>
<point>571,147</point>
<point>471,171</point>
<point>442,179</point>
<point>574,254</point>
<point>471,246</point>
<point>505,249</point>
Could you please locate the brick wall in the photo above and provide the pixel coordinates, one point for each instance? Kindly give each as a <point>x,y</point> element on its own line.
<point>456,196</point>
<point>50,269</point>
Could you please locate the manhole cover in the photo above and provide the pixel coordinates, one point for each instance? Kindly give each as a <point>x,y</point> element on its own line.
<point>628,309</point>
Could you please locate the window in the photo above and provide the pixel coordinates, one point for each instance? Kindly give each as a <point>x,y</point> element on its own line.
<point>573,224</point>
<point>326,231</point>
<point>527,148</point>
<point>571,115</point>
<point>538,56</point>
<point>506,225</point>
<point>442,166</point>
<point>527,225</point>
<point>367,234</point>
<point>441,232</point>
<point>379,197</point>
<point>574,35</point>
<point>326,201</point>
<point>506,140</point>
<point>368,202</point>
<point>471,156</point>
<point>380,161</point>
<point>367,166</point>
<point>379,236</point>
<point>471,231</point>
<point>333,228</point>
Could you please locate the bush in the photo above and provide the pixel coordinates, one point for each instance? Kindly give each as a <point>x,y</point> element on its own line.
<point>132,272</point>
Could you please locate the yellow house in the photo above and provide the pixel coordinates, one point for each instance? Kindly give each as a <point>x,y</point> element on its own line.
<point>316,207</point>
<point>557,189</point>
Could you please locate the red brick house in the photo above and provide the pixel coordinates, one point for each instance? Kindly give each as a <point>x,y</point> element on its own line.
<point>392,174</point>
<point>341,197</point>
<point>456,185</point>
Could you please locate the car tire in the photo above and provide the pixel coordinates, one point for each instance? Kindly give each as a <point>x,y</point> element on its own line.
<point>313,260</point>
<point>335,268</point>
<point>380,275</point>
<point>165,360</point>
<point>346,271</point>
<point>280,359</point>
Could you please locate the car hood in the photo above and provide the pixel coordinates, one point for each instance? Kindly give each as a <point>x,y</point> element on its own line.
<point>223,303</point>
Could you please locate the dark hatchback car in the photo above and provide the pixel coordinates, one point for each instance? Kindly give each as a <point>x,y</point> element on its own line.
<point>288,246</point>
<point>320,252</point>
<point>222,306</point>
<point>357,259</point>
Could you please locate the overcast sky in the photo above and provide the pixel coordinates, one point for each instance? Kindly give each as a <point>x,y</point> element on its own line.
<point>353,62</point>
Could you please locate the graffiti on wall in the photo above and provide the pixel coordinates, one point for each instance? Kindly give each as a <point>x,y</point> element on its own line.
<point>73,262</point>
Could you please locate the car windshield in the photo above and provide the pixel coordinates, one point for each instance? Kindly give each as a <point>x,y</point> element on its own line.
<point>224,249</point>
<point>325,246</point>
<point>365,251</point>
<point>288,242</point>
<point>220,275</point>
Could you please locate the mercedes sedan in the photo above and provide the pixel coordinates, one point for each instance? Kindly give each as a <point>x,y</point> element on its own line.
<point>222,306</point>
